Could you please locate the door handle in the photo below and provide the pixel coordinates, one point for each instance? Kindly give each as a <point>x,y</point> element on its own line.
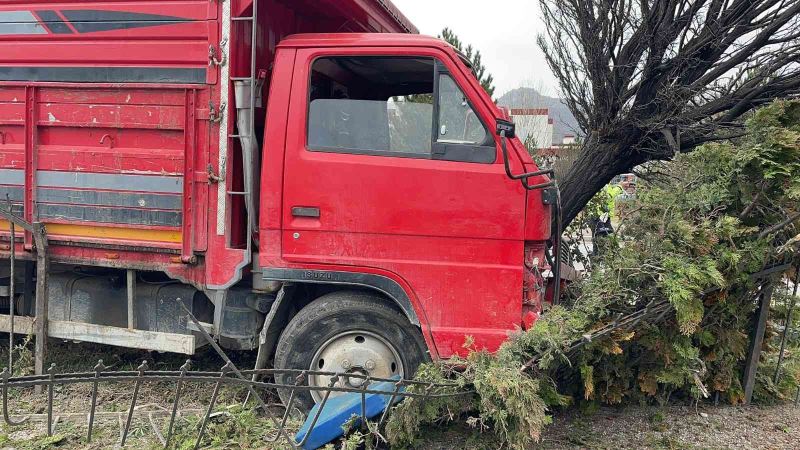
<point>306,211</point>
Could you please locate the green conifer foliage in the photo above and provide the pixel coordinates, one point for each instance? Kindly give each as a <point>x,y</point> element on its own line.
<point>677,274</point>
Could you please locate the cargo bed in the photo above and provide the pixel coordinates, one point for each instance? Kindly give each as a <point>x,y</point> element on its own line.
<point>112,131</point>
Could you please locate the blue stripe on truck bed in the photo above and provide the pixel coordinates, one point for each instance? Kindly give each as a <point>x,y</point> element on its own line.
<point>104,74</point>
<point>121,182</point>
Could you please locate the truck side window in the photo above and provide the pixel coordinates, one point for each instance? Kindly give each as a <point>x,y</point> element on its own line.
<point>458,123</point>
<point>372,105</point>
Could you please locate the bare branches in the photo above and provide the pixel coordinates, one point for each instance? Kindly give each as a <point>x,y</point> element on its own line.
<point>629,69</point>
<point>779,226</point>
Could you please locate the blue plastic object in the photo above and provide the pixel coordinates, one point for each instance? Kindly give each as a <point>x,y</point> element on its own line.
<point>338,411</point>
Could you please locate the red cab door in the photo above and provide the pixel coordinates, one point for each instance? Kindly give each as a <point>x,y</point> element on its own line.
<point>392,169</point>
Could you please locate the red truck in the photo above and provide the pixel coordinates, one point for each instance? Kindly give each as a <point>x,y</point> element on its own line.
<point>313,179</point>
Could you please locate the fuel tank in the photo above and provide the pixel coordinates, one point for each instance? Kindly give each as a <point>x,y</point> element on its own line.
<point>100,297</point>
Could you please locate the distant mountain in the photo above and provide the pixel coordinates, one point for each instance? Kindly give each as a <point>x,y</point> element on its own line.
<point>564,121</point>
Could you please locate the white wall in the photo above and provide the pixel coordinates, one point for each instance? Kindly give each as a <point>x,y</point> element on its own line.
<point>535,125</point>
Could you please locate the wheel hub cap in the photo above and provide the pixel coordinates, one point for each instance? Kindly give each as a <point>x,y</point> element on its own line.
<point>359,353</point>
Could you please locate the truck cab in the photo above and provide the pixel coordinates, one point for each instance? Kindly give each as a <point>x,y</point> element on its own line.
<point>382,168</point>
<point>382,172</point>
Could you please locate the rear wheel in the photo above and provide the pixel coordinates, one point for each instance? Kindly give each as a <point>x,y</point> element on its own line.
<point>348,332</point>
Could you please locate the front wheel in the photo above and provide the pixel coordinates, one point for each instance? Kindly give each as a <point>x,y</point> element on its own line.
<point>347,332</point>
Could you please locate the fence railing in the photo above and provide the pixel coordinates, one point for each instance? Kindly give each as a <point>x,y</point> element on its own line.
<point>226,376</point>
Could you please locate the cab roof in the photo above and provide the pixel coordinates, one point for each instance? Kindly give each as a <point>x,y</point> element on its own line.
<point>362,40</point>
<point>318,40</point>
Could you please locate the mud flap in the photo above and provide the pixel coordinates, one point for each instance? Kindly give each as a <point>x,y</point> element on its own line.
<point>277,317</point>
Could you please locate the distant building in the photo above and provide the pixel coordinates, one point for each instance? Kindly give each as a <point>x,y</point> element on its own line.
<point>530,98</point>
<point>534,126</point>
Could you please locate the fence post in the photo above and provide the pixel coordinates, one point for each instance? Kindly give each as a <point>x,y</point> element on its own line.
<point>756,342</point>
<point>787,324</point>
<point>42,263</point>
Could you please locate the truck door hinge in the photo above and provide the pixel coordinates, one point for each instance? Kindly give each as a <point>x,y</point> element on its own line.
<point>215,115</point>
<point>213,178</point>
<point>217,59</point>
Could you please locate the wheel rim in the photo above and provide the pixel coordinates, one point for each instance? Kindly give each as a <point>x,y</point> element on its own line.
<point>357,352</point>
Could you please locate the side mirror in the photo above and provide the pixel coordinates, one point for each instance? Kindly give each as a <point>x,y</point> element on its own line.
<point>507,126</point>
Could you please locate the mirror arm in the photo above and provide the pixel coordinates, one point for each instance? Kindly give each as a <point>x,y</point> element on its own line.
<point>555,266</point>
<point>533,187</point>
<point>524,176</point>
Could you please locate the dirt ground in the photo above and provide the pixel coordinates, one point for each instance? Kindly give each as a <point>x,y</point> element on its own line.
<point>679,427</point>
<point>671,427</point>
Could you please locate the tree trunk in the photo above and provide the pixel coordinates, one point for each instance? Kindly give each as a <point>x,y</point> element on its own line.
<point>596,165</point>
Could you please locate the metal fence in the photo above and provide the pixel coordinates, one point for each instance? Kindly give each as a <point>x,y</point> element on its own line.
<point>789,328</point>
<point>228,375</point>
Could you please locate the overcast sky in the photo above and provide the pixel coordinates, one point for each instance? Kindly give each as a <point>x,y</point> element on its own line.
<point>503,30</point>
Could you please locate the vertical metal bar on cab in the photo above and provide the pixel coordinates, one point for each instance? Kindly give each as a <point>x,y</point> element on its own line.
<point>251,214</point>
<point>190,141</point>
<point>30,145</point>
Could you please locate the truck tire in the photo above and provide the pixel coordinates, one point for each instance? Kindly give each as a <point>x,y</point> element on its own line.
<point>350,332</point>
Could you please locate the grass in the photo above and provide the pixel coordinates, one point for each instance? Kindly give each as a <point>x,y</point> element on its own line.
<point>231,425</point>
